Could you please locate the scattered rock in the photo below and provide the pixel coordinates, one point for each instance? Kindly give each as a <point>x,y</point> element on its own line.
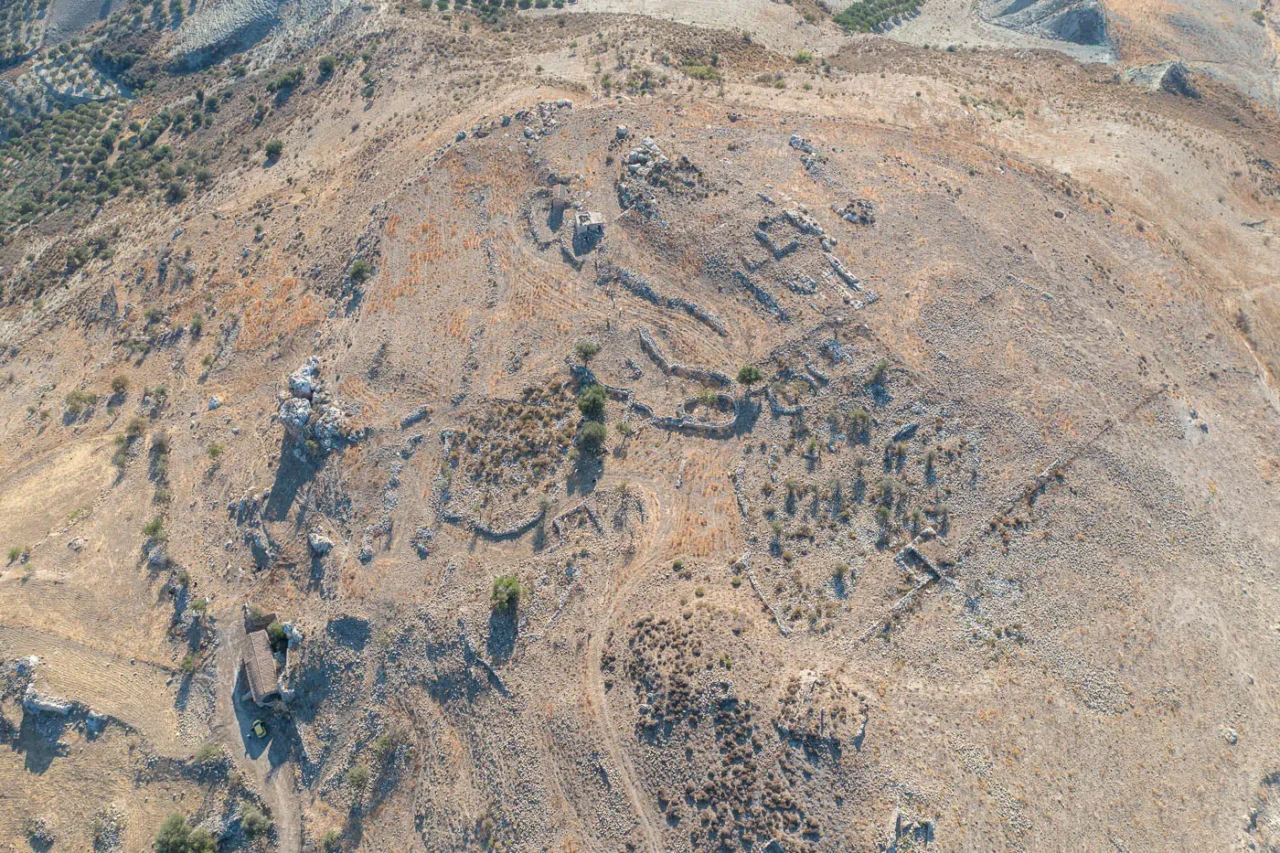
<point>422,539</point>
<point>295,412</point>
<point>1170,76</point>
<point>857,212</point>
<point>303,381</point>
<point>42,703</point>
<point>319,544</point>
<point>799,143</point>
<point>907,432</point>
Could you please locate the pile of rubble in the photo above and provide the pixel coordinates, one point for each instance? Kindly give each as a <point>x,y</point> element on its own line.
<point>645,168</point>
<point>858,212</point>
<point>309,413</point>
<point>540,120</point>
<point>809,155</point>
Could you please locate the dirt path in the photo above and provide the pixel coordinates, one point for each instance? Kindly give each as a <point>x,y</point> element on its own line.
<point>267,762</point>
<point>660,519</point>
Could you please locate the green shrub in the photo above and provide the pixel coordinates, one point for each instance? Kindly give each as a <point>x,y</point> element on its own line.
<point>506,592</point>
<point>255,823</point>
<point>360,271</point>
<point>119,384</point>
<point>208,754</point>
<point>358,777</point>
<point>332,841</point>
<point>77,401</point>
<point>175,836</point>
<point>188,664</point>
<point>328,64</point>
<point>592,436</point>
<point>154,529</point>
<point>749,375</point>
<point>591,402</point>
<point>878,371</point>
<point>586,349</point>
<point>286,81</point>
<point>274,149</point>
<point>275,632</point>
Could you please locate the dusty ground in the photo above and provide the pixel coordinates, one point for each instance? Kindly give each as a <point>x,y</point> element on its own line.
<point>987,560</point>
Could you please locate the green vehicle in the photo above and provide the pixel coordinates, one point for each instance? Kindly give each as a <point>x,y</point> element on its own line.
<point>259,728</point>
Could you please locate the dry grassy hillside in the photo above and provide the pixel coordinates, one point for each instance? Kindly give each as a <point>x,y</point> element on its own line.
<point>895,469</point>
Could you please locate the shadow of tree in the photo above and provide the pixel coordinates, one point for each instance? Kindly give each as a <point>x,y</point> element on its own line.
<point>501,641</point>
<point>586,474</point>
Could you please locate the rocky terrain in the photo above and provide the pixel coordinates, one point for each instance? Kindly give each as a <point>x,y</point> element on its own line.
<point>639,426</point>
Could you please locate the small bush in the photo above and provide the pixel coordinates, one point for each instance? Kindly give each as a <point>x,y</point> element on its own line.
<point>119,384</point>
<point>214,451</point>
<point>506,592</point>
<point>208,754</point>
<point>274,149</point>
<point>175,836</point>
<point>586,349</point>
<point>332,841</point>
<point>749,375</point>
<point>275,632</point>
<point>328,64</point>
<point>878,372</point>
<point>593,436</point>
<point>361,270</point>
<point>154,529</point>
<point>255,823</point>
<point>160,442</point>
<point>358,777</point>
<point>188,664</point>
<point>77,401</point>
<point>176,192</point>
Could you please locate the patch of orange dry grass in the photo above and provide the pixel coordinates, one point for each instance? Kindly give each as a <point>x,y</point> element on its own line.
<point>273,312</point>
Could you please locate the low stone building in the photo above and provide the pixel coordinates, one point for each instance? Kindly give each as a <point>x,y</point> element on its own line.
<point>588,223</point>
<point>260,668</point>
<point>560,199</point>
